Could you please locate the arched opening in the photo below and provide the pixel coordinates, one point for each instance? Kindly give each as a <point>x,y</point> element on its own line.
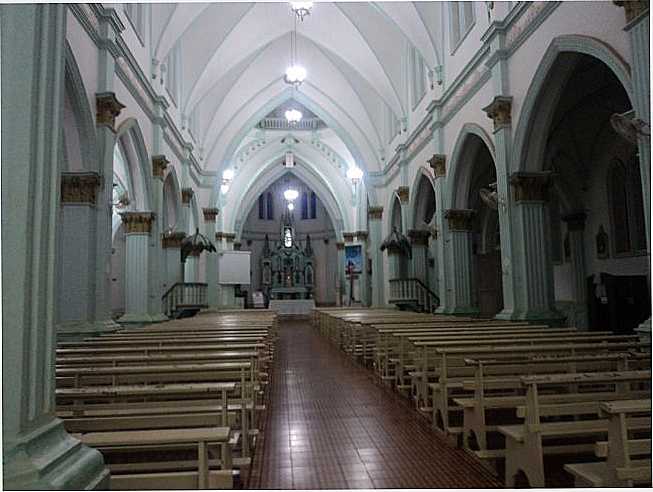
<point>424,265</point>
<point>294,252</point>
<point>596,218</point>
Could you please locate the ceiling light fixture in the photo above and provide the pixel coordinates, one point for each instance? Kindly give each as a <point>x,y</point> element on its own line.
<point>293,116</point>
<point>301,9</point>
<point>290,195</point>
<point>295,73</point>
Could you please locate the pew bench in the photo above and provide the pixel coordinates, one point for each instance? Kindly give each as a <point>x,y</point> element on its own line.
<point>527,443</point>
<point>627,459</point>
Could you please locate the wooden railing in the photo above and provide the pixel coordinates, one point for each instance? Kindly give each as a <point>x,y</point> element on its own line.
<point>184,295</point>
<point>412,291</point>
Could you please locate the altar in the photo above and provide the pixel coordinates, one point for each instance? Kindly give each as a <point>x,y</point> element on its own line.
<point>293,307</point>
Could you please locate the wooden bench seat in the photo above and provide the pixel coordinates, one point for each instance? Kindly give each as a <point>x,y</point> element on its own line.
<point>526,444</point>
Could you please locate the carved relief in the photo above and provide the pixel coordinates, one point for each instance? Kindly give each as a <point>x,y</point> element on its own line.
<point>137,222</point>
<point>107,109</point>
<point>375,213</point>
<point>438,163</point>
<point>172,239</point>
<point>460,219</point>
<point>210,214</point>
<point>531,187</point>
<point>186,195</point>
<point>159,164</point>
<point>499,111</point>
<point>403,194</point>
<point>79,187</point>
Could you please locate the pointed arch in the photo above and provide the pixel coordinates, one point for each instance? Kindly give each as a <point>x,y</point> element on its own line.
<point>130,136</point>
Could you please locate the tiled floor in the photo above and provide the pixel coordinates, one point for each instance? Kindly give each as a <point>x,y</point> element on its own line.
<point>330,425</point>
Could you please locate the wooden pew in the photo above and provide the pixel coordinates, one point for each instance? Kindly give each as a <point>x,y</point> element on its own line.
<point>202,438</point>
<point>624,465</point>
<point>527,443</point>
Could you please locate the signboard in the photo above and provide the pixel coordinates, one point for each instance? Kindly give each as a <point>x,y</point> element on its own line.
<point>353,259</point>
<point>234,267</point>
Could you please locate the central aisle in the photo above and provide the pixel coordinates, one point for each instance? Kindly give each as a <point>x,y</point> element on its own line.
<point>330,426</point>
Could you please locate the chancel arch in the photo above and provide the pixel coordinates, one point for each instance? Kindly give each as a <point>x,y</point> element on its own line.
<point>597,265</point>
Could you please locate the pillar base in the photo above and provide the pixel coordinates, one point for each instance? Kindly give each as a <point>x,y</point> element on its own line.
<point>159,318</point>
<point>548,317</point>
<point>644,331</point>
<point>77,330</point>
<point>463,311</point>
<point>50,458</point>
<point>135,318</point>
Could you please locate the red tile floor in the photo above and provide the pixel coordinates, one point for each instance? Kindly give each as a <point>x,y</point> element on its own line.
<point>329,425</point>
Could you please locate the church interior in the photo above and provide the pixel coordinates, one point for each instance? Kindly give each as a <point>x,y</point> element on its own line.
<point>326,245</point>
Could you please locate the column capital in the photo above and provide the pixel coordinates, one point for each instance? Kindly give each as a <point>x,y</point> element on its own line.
<point>172,239</point>
<point>419,237</point>
<point>361,235</point>
<point>575,220</point>
<point>187,195</point>
<point>348,237</point>
<point>460,219</point>
<point>229,236</point>
<point>375,213</point>
<point>340,245</point>
<point>237,245</point>
<point>137,222</point>
<point>499,110</point>
<point>632,8</point>
<point>403,193</point>
<point>438,162</point>
<point>531,186</point>
<point>80,187</point>
<point>159,164</point>
<point>107,109</point>
<point>210,214</point>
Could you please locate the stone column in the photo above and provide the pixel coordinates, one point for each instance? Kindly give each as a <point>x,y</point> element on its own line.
<point>459,223</point>
<point>403,193</point>
<point>361,238</point>
<point>441,232</point>
<point>210,216</point>
<point>638,26</point>
<point>419,240</point>
<point>533,258</point>
<point>374,215</point>
<point>76,265</point>
<point>37,451</point>
<point>138,226</point>
<point>171,246</point>
<point>576,227</point>
<point>190,267</point>
<point>499,110</point>
<point>156,260</point>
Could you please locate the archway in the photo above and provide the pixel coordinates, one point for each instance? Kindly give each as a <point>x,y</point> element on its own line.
<point>597,262</point>
<point>424,265</point>
<point>314,234</point>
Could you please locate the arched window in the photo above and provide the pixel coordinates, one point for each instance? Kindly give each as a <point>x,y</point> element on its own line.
<point>304,206</point>
<point>313,205</point>
<point>626,208</point>
<point>261,207</point>
<point>270,204</point>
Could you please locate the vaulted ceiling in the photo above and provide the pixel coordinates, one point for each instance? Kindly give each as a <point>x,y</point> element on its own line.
<point>234,56</point>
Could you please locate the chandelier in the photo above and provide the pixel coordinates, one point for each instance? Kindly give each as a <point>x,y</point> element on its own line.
<point>295,73</point>
<point>301,9</point>
<point>293,116</point>
<point>290,195</point>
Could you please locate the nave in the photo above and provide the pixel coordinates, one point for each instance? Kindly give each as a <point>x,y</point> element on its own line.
<point>331,426</point>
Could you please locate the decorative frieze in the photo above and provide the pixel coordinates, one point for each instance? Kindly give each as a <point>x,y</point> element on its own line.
<point>348,237</point>
<point>107,109</point>
<point>499,110</point>
<point>438,163</point>
<point>159,164</point>
<point>187,195</point>
<point>633,8</point>
<point>80,187</point>
<point>375,213</point>
<point>340,245</point>
<point>575,221</point>
<point>531,187</point>
<point>460,219</point>
<point>172,239</point>
<point>419,237</point>
<point>210,214</point>
<point>403,194</point>
<point>137,222</point>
